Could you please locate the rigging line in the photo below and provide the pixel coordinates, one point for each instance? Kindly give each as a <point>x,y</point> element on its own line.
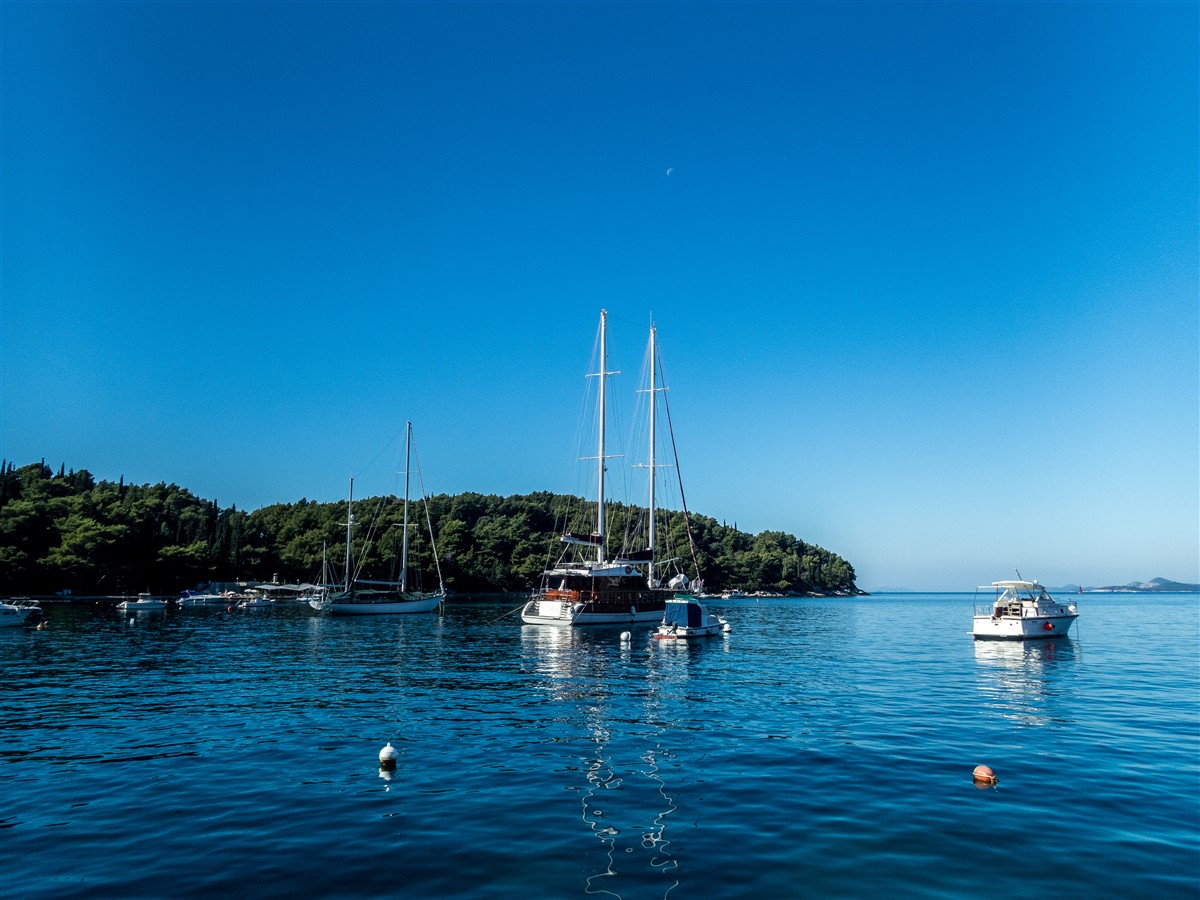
<point>381,452</point>
<point>507,614</point>
<point>428,520</point>
<point>675,452</point>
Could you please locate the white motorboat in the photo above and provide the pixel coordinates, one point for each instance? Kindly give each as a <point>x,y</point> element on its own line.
<point>622,587</point>
<point>190,598</point>
<point>255,602</point>
<point>143,603</point>
<point>353,600</point>
<point>17,610</point>
<point>1021,610</point>
<point>686,618</point>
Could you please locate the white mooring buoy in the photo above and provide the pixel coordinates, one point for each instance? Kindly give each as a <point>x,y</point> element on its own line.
<point>388,756</point>
<point>625,636</point>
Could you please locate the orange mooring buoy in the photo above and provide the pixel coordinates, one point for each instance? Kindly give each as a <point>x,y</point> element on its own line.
<point>984,775</point>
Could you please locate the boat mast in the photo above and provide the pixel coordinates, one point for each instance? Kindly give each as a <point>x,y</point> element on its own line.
<point>653,407</point>
<point>600,450</point>
<point>404,544</point>
<point>349,530</point>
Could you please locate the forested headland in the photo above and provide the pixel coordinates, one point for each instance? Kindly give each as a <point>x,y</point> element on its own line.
<point>66,531</point>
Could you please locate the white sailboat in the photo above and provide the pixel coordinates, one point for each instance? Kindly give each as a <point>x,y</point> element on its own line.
<point>355,600</point>
<point>624,587</point>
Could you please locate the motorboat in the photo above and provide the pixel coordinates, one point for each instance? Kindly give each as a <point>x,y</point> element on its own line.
<point>593,583</point>
<point>255,601</point>
<point>686,618</point>
<point>192,598</point>
<point>16,610</point>
<point>1021,610</point>
<point>143,603</point>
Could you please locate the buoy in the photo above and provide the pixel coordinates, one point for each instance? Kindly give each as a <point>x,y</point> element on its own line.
<point>984,775</point>
<point>388,756</point>
<point>625,636</point>
<point>1049,626</point>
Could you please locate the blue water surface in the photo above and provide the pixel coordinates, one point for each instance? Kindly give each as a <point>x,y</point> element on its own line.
<point>824,748</point>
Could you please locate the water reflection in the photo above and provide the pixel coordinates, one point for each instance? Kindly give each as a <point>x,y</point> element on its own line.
<point>1024,680</point>
<point>614,707</point>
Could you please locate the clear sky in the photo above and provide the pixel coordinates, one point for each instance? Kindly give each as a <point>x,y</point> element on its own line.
<point>925,274</point>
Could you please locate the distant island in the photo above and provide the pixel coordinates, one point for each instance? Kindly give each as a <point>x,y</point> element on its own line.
<point>1153,586</point>
<point>67,533</point>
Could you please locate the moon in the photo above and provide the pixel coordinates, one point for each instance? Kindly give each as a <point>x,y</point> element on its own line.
<point>670,170</point>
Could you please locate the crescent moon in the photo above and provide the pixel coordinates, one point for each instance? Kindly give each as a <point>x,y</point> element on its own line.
<point>670,170</point>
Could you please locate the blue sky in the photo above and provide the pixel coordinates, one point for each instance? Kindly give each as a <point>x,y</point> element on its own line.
<point>925,274</point>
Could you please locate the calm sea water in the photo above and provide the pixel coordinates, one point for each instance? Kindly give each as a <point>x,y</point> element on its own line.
<point>823,749</point>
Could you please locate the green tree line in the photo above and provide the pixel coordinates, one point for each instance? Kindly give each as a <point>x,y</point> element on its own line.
<point>68,531</point>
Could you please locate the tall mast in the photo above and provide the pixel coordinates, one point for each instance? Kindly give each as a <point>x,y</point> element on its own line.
<point>404,544</point>
<point>653,407</point>
<point>600,451</point>
<point>349,530</point>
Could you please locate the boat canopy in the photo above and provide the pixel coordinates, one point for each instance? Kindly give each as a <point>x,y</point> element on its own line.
<point>593,569</point>
<point>683,615</point>
<point>636,556</point>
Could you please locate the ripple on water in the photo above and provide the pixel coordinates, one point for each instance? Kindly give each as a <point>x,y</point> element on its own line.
<point>819,750</point>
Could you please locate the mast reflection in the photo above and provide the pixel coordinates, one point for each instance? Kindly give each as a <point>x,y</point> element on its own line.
<point>614,703</point>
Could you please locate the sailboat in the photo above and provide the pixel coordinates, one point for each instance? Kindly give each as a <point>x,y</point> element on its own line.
<point>590,586</point>
<point>389,598</point>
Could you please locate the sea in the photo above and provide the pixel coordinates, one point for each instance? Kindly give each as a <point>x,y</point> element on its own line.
<point>821,748</point>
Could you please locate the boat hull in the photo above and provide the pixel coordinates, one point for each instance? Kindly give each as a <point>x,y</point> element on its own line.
<point>565,614</point>
<point>664,633</point>
<point>338,607</point>
<point>11,614</point>
<point>1022,628</point>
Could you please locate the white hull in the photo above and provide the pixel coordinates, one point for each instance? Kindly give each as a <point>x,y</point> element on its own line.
<point>556,612</point>
<point>687,634</point>
<point>206,600</point>
<point>142,605</point>
<point>1022,611</point>
<point>383,607</point>
<point>11,614</point>
<point>1022,628</point>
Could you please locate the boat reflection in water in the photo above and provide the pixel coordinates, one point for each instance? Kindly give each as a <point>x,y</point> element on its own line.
<point>1024,680</point>
<point>619,738</point>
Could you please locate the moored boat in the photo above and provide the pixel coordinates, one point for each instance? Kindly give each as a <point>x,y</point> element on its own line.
<point>589,584</point>
<point>354,600</point>
<point>16,610</point>
<point>255,601</point>
<point>143,603</point>
<point>686,618</point>
<point>196,598</point>
<point>1021,610</point>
